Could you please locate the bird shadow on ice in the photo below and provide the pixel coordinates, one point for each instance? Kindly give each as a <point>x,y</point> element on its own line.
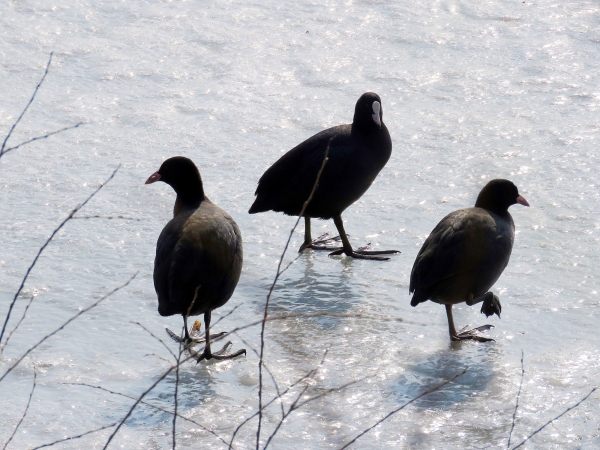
<point>310,289</point>
<point>440,366</point>
<point>194,387</point>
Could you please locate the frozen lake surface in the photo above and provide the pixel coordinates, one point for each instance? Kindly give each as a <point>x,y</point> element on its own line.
<point>471,90</point>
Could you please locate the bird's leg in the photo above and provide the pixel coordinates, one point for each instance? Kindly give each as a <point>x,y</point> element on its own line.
<point>188,341</point>
<point>360,253</point>
<point>187,338</point>
<point>321,243</point>
<point>491,304</point>
<point>465,335</point>
<point>219,355</point>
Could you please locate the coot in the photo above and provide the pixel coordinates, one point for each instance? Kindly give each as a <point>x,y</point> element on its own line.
<point>357,153</point>
<point>198,254</point>
<point>466,253</point>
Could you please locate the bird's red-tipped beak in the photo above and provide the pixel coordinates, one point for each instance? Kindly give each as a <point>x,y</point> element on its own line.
<point>521,201</point>
<point>153,178</point>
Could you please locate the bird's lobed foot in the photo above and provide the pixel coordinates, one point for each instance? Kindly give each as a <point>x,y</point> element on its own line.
<point>472,334</point>
<point>364,253</point>
<point>188,343</point>
<point>218,355</point>
<point>491,305</point>
<point>323,242</point>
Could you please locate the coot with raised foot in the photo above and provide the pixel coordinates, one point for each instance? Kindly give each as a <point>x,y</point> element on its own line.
<point>198,254</point>
<point>357,153</point>
<point>466,253</point>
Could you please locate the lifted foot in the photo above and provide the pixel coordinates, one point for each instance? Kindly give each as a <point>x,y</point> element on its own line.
<point>323,242</point>
<point>364,253</point>
<point>472,334</point>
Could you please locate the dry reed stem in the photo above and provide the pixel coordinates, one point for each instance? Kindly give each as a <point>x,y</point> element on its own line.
<point>3,149</point>
<point>278,273</point>
<point>42,248</point>
<point>71,438</point>
<point>556,418</point>
<point>83,311</point>
<point>514,418</point>
<point>429,391</point>
<point>160,408</point>
<point>26,409</point>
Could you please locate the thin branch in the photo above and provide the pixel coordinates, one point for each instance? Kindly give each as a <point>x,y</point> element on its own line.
<point>175,403</point>
<point>294,403</point>
<point>40,137</point>
<point>247,344</point>
<point>556,418</point>
<point>226,315</point>
<point>156,337</point>
<point>71,438</point>
<point>26,107</point>
<point>514,418</point>
<point>159,357</point>
<point>26,409</point>
<point>266,313</point>
<point>18,323</point>
<point>279,397</point>
<point>429,391</point>
<point>160,408</point>
<point>107,217</point>
<point>69,217</point>
<point>83,311</point>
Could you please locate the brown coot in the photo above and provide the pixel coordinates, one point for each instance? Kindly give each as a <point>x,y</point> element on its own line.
<point>198,254</point>
<point>357,153</point>
<point>466,253</point>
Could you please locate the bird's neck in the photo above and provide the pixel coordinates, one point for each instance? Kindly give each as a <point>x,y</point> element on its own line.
<point>189,196</point>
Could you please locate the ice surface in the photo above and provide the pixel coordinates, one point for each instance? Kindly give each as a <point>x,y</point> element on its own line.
<point>471,90</point>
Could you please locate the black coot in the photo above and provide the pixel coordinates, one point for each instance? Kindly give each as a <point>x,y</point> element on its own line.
<point>357,153</point>
<point>466,253</point>
<point>198,254</point>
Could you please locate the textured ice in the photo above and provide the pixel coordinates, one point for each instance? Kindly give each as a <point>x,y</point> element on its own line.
<point>471,90</point>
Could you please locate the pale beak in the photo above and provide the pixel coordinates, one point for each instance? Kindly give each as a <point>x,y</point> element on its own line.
<point>521,201</point>
<point>153,178</point>
<point>377,120</point>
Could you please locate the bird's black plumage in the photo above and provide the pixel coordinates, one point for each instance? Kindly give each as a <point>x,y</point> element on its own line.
<point>467,251</point>
<point>357,153</point>
<point>199,252</point>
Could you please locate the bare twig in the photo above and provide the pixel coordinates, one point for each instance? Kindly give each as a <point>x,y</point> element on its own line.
<point>40,137</point>
<point>51,444</point>
<point>278,397</point>
<point>139,399</point>
<point>26,409</point>
<point>2,151</point>
<point>160,408</point>
<point>295,402</point>
<point>18,323</point>
<point>107,217</point>
<point>514,418</point>
<point>266,313</point>
<point>556,418</point>
<point>297,405</point>
<point>69,217</point>
<point>83,311</point>
<point>429,391</point>
<point>226,315</point>
<point>247,344</point>
<point>159,357</point>
<point>175,403</point>
<point>157,338</point>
